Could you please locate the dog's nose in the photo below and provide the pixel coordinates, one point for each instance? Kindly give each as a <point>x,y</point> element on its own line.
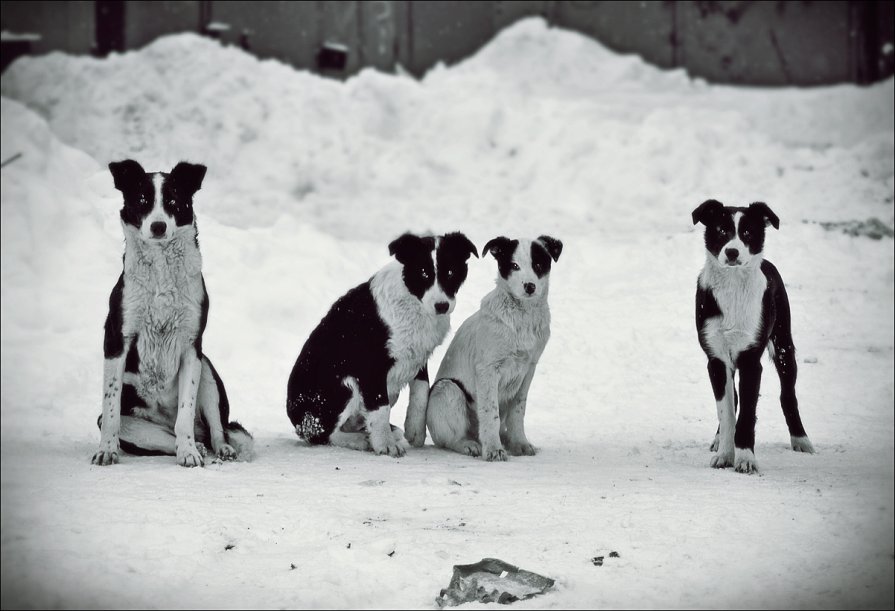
<point>732,253</point>
<point>442,306</point>
<point>530,288</point>
<point>158,228</point>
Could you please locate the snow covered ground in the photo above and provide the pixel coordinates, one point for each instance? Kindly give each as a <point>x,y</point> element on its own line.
<point>543,131</point>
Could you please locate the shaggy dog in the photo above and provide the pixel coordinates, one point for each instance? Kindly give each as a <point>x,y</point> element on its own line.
<point>161,394</point>
<point>742,310</point>
<point>375,340</point>
<point>477,403</point>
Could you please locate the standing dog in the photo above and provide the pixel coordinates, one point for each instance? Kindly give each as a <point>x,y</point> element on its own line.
<point>376,339</point>
<point>742,309</point>
<point>161,394</point>
<point>477,404</point>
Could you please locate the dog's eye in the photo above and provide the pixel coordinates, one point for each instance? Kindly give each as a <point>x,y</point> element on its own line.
<point>746,234</point>
<point>424,274</point>
<point>516,267</point>
<point>450,273</point>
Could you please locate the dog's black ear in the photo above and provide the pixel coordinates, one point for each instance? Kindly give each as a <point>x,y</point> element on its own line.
<point>553,246</point>
<point>706,209</point>
<point>127,174</point>
<point>187,177</point>
<point>402,247</point>
<point>460,243</point>
<point>765,211</point>
<point>499,246</point>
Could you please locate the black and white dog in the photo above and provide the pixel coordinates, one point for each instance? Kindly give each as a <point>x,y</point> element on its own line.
<point>161,395</point>
<point>741,310</point>
<point>477,404</point>
<point>376,339</point>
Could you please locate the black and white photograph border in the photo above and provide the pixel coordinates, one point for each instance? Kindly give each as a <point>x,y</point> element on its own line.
<point>328,130</point>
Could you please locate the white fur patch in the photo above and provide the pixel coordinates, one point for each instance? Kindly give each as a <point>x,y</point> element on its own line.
<point>162,306</point>
<point>414,330</point>
<point>738,292</point>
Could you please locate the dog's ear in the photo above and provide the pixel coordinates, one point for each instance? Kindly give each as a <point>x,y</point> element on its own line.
<point>460,243</point>
<point>403,247</point>
<point>127,174</point>
<point>187,177</point>
<point>499,246</point>
<point>553,246</point>
<point>706,210</point>
<point>763,210</point>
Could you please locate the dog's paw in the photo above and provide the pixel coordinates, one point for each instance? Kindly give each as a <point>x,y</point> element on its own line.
<point>745,461</point>
<point>522,449</point>
<point>415,437</point>
<point>203,451</point>
<point>105,457</point>
<point>470,447</point>
<point>802,444</point>
<point>723,460</point>
<point>188,456</point>
<point>715,443</point>
<point>226,452</point>
<point>393,447</point>
<point>494,454</point>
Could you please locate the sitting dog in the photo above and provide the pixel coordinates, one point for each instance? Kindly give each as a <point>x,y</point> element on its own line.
<point>376,339</point>
<point>741,310</point>
<point>477,404</point>
<point>161,394</point>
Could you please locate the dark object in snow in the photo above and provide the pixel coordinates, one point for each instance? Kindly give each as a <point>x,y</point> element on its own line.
<point>391,553</point>
<point>614,555</point>
<point>872,228</point>
<point>292,566</point>
<point>597,560</point>
<point>332,56</point>
<point>229,546</point>
<point>491,580</point>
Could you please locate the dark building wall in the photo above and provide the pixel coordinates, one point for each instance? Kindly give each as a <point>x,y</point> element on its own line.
<point>755,43</point>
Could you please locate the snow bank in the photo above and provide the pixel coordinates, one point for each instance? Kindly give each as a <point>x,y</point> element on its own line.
<point>543,131</point>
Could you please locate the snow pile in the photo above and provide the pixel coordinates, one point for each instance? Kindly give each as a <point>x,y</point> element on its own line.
<point>543,131</point>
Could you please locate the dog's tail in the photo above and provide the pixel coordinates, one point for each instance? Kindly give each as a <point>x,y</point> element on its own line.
<point>241,440</point>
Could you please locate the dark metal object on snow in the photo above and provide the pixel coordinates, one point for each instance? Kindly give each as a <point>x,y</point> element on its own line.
<point>491,580</point>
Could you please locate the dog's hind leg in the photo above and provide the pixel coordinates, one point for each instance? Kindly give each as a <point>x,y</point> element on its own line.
<point>783,353</point>
<point>448,418</point>
<point>214,407</point>
<point>146,438</point>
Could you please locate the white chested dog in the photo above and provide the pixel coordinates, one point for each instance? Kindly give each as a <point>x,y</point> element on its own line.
<point>161,394</point>
<point>477,403</point>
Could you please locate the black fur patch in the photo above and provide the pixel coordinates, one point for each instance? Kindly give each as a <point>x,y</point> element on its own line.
<point>553,246</point>
<point>415,254</point>
<point>223,402</point>
<point>423,374</point>
<point>502,248</point>
<point>351,340</point>
<point>540,259</point>
<point>453,252</point>
<point>136,187</point>
<point>132,363</point>
<point>113,341</point>
<point>129,400</point>
<point>178,190</point>
<point>203,320</point>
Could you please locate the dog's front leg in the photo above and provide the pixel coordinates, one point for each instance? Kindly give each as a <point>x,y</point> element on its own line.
<point>517,443</point>
<point>488,411</point>
<point>113,372</point>
<point>415,421</point>
<point>185,426</point>
<point>721,377</point>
